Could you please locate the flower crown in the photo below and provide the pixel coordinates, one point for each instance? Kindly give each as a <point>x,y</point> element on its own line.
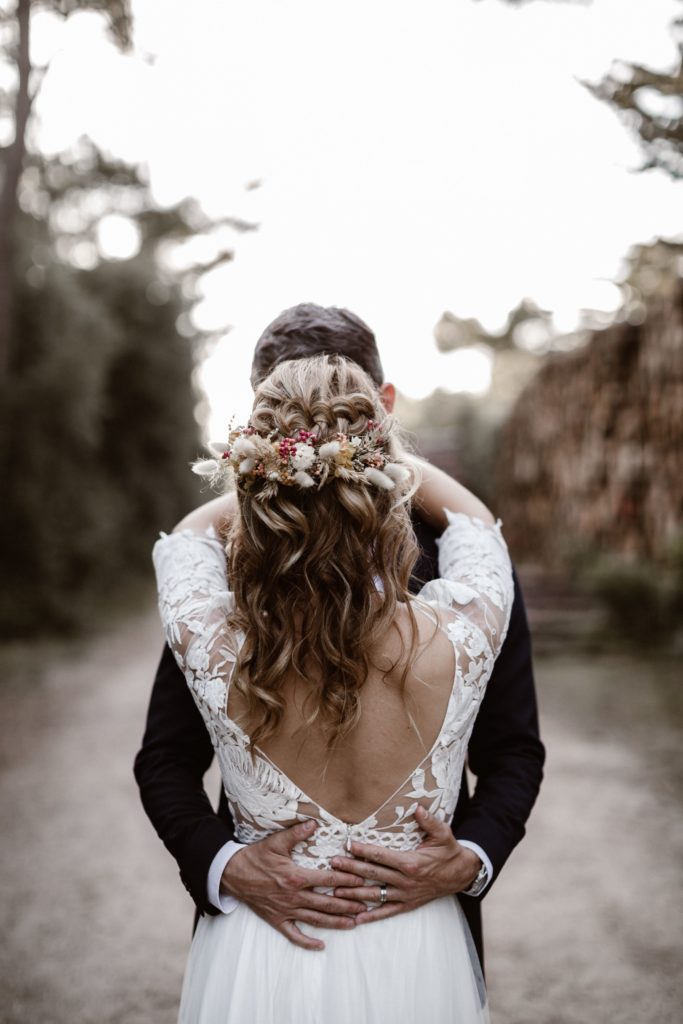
<point>302,460</point>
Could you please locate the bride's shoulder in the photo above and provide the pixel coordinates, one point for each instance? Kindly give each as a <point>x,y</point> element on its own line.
<point>420,635</point>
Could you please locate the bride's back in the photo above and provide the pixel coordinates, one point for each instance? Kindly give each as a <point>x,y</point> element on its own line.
<point>400,719</point>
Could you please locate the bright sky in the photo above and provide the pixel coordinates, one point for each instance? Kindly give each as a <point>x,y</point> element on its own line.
<point>414,158</point>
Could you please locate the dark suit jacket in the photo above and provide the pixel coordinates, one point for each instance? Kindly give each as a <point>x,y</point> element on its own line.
<point>505,753</point>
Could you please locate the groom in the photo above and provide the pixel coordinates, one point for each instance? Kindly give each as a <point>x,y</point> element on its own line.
<point>505,753</point>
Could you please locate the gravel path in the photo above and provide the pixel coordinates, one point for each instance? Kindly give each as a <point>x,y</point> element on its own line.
<point>585,924</point>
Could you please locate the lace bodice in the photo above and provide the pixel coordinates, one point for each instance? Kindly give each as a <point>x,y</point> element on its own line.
<point>471,603</point>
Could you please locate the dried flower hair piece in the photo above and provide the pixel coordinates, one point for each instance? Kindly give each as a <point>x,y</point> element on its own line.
<point>302,460</point>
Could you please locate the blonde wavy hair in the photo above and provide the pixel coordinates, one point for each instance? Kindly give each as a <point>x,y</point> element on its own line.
<point>317,574</point>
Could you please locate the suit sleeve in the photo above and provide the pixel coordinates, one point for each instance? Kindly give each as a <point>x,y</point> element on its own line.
<point>505,750</point>
<point>169,769</point>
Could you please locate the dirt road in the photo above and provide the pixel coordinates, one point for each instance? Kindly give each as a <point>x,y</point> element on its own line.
<point>583,926</point>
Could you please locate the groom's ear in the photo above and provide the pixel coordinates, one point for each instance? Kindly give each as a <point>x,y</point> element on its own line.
<point>387,393</point>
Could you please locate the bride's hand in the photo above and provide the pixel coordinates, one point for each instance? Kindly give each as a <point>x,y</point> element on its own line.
<point>440,866</point>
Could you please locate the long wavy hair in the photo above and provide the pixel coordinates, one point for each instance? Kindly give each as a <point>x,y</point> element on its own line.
<point>317,574</point>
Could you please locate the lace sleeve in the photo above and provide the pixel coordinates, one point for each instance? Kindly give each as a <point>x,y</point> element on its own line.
<point>475,590</point>
<point>194,601</point>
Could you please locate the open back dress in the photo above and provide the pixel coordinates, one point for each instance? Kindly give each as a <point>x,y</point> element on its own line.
<point>415,966</point>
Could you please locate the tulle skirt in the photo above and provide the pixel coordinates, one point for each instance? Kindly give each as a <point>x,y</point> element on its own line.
<point>420,966</point>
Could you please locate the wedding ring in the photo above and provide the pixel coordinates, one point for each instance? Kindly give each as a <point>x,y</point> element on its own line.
<point>382,894</point>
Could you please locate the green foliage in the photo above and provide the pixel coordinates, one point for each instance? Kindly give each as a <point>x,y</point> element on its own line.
<point>475,438</point>
<point>631,595</point>
<point>644,601</point>
<point>98,430</point>
<point>97,404</point>
<point>458,432</point>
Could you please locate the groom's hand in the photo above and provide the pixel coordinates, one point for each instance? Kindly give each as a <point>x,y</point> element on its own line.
<point>440,866</point>
<point>265,877</point>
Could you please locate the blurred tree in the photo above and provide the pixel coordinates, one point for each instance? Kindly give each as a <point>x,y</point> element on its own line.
<point>651,103</point>
<point>16,33</point>
<point>527,327</point>
<point>97,403</point>
<point>459,430</point>
<point>653,271</point>
<point>590,460</point>
<point>98,429</point>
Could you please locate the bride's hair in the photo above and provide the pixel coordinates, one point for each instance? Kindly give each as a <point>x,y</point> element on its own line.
<point>317,573</point>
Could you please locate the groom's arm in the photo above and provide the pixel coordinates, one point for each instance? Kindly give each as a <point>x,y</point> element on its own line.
<point>505,750</point>
<point>170,766</point>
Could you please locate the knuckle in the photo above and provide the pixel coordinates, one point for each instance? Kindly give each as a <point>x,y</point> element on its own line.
<point>411,866</point>
<point>343,922</point>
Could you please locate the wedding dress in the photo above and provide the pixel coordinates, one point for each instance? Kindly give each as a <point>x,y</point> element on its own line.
<point>412,967</point>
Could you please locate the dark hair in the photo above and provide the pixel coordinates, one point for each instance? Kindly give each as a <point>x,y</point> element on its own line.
<point>308,330</point>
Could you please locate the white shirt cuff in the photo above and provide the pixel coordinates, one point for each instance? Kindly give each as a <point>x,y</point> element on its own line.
<point>226,904</point>
<point>483,858</point>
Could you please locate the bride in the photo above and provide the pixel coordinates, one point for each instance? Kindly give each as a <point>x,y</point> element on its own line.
<point>333,696</point>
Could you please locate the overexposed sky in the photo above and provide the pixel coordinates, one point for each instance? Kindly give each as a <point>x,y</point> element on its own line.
<point>414,158</point>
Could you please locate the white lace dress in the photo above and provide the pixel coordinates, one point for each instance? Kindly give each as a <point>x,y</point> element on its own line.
<point>419,966</point>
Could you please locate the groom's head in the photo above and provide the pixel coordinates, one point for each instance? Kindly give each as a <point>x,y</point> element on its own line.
<point>309,330</point>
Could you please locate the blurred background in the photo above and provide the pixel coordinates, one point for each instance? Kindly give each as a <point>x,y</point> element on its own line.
<point>495,187</point>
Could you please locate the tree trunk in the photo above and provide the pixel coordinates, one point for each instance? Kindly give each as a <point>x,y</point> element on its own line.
<point>9,199</point>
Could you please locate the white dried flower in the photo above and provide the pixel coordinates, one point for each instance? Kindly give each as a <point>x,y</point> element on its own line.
<point>329,449</point>
<point>378,478</point>
<point>303,479</point>
<point>244,446</point>
<point>218,447</point>
<point>397,472</point>
<point>205,467</point>
<point>246,466</point>
<point>303,457</point>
